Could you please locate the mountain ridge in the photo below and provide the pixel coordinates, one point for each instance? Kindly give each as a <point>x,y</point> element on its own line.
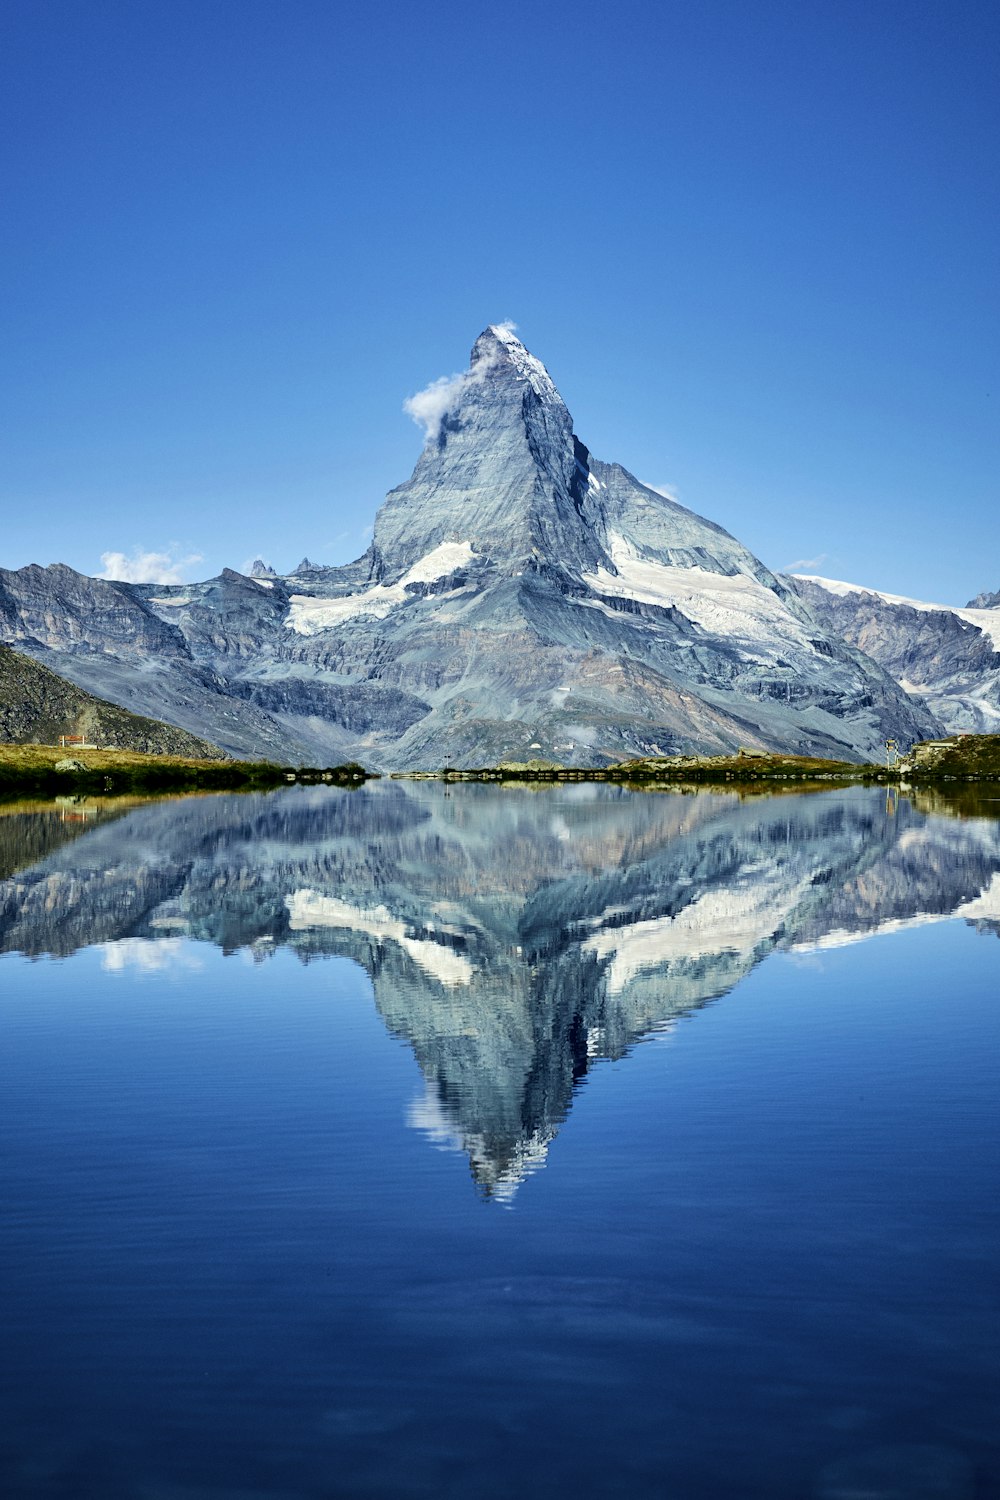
<point>945,655</point>
<point>519,596</point>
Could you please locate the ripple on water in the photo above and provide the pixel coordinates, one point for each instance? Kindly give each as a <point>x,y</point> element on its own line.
<point>906,1471</point>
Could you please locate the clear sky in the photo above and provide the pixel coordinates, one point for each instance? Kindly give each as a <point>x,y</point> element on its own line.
<point>755,242</point>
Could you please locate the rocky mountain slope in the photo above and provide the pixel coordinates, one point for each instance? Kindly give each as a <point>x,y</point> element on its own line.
<point>36,707</point>
<point>519,598</point>
<point>947,656</point>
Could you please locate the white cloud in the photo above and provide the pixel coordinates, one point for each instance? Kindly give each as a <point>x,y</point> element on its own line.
<point>805,564</point>
<point>428,406</point>
<point>350,535</point>
<point>668,491</point>
<point>148,567</point>
<point>147,955</point>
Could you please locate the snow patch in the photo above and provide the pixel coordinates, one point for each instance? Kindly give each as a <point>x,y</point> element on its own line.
<point>309,909</point>
<point>308,615</point>
<point>727,604</point>
<point>843,937</point>
<point>733,920</point>
<point>445,558</point>
<point>985,906</point>
<point>613,614</point>
<point>982,908</point>
<point>263,583</point>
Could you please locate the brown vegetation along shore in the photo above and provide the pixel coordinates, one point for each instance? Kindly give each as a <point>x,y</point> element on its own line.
<point>970,757</point>
<point>960,757</point>
<point>48,769</point>
<point>667,769</point>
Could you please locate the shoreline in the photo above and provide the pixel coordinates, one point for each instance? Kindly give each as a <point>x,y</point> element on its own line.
<point>51,770</point>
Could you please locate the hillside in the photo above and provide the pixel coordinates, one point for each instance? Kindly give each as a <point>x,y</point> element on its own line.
<point>37,706</point>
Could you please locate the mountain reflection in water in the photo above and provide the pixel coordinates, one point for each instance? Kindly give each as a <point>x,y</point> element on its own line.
<point>511,936</point>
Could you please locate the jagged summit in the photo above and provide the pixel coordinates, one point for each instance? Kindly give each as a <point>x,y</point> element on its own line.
<point>499,345</point>
<point>499,463</point>
<point>261,569</point>
<point>503,471</point>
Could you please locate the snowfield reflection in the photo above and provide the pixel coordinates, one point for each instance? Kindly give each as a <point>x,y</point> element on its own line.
<point>512,937</point>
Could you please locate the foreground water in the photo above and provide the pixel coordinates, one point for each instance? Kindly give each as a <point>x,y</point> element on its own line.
<point>385,1143</point>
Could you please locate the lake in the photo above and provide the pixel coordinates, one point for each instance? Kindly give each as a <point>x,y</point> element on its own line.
<point>500,1141</point>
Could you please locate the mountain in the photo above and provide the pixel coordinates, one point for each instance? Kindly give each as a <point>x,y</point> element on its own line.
<point>519,598</point>
<point>514,941</point>
<point>948,657</point>
<point>109,639</point>
<point>36,707</point>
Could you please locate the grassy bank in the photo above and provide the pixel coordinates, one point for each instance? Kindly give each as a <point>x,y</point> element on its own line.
<point>960,757</point>
<point>968,758</point>
<point>27,769</point>
<point>31,769</point>
<point>670,770</point>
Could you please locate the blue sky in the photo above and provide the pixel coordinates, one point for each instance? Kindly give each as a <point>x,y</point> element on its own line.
<point>755,243</point>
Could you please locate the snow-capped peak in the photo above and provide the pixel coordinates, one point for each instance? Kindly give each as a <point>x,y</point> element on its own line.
<point>506,334</point>
<point>499,345</point>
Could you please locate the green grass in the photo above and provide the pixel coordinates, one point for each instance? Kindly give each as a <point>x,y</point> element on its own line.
<point>26,769</point>
<point>968,757</point>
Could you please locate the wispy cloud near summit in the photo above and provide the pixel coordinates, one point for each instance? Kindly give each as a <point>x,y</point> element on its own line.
<point>668,491</point>
<point>805,564</point>
<point>428,407</point>
<point>148,567</point>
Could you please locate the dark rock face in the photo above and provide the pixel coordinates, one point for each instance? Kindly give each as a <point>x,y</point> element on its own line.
<point>948,661</point>
<point>360,708</point>
<point>36,707</point>
<point>519,597</point>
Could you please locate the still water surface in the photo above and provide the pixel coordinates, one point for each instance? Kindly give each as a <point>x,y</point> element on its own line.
<point>499,1143</point>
